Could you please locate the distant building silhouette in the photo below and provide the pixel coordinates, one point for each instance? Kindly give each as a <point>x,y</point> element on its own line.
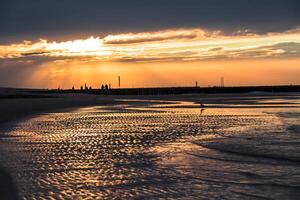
<point>222,84</point>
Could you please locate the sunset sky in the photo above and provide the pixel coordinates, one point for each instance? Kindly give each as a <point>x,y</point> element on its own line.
<point>50,44</point>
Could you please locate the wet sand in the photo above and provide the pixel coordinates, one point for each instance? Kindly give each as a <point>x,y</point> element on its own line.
<point>15,108</point>
<point>238,147</point>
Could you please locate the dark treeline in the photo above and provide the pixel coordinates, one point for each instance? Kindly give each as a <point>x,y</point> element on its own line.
<point>179,90</point>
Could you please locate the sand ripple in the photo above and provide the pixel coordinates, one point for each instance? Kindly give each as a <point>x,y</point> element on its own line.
<point>121,153</point>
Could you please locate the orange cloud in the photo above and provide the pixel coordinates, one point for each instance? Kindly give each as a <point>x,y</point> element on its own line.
<point>165,45</point>
<point>181,34</point>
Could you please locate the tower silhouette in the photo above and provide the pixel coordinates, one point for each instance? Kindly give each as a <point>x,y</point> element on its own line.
<point>222,82</point>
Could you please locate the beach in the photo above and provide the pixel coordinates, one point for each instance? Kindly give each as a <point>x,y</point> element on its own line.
<point>242,146</point>
<point>144,99</point>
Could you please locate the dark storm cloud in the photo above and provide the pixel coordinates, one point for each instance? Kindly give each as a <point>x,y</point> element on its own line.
<point>32,19</point>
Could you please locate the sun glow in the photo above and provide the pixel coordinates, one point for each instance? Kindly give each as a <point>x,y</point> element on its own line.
<point>90,46</point>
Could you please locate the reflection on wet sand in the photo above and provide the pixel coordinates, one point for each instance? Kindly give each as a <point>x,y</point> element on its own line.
<point>156,150</point>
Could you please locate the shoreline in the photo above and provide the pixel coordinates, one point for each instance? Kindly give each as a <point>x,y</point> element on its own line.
<point>15,109</point>
<point>20,108</point>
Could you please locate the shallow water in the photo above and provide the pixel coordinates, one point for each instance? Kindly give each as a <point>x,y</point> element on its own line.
<point>157,150</point>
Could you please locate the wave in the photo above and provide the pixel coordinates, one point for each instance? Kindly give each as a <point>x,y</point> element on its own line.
<point>286,152</point>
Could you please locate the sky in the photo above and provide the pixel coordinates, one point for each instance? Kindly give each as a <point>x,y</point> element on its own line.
<point>149,43</point>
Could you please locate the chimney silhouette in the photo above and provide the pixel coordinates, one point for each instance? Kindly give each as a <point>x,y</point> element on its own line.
<point>222,82</point>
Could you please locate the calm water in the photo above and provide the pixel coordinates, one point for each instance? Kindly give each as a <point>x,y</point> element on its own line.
<point>158,150</point>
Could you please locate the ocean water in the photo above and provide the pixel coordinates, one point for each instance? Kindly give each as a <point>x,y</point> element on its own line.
<point>158,149</point>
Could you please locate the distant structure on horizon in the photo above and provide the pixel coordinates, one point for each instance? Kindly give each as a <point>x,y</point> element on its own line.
<point>119,81</point>
<point>222,84</point>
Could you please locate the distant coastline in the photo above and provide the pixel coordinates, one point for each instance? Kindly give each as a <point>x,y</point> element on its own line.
<point>181,90</point>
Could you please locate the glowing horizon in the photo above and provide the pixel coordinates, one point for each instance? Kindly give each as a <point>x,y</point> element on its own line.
<point>57,64</point>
